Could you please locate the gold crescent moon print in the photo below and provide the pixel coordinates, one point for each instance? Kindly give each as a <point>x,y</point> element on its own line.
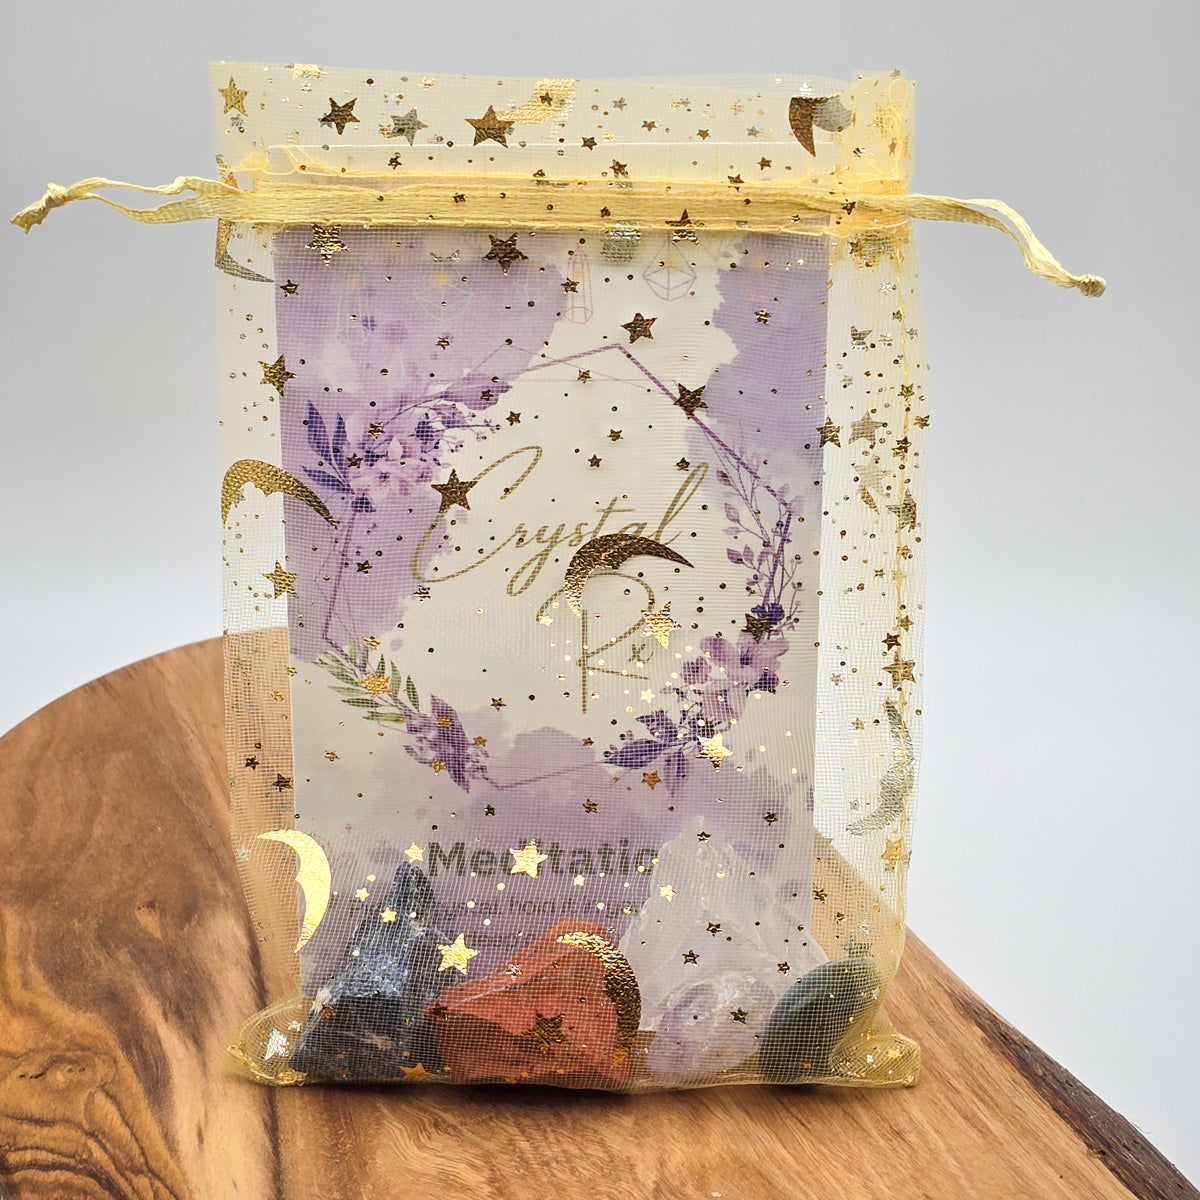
<point>620,985</point>
<point>313,877</point>
<point>267,479</point>
<point>607,553</point>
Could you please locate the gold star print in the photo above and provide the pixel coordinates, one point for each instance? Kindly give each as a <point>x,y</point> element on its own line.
<point>714,749</point>
<point>891,641</point>
<point>594,461</point>
<point>900,670</point>
<point>514,418</point>
<point>901,448</point>
<point>756,627</point>
<point>921,422</point>
<point>734,180</point>
<point>443,343</point>
<point>639,327</point>
<point>388,916</point>
<point>284,581</point>
<point>504,251</point>
<point>375,429</point>
<point>327,241</point>
<point>865,427</point>
<point>340,115</point>
<point>417,1072</point>
<point>620,169</point>
<point>289,288</point>
<point>762,317</point>
<point>660,624</point>
<point>893,852</point>
<point>691,957</point>
<point>415,853</point>
<point>234,97</point>
<point>584,376</point>
<point>739,1015</point>
<point>614,435</point>
<point>546,1032</point>
<point>714,929</point>
<point>906,389</point>
<point>651,779</point>
<point>456,955</point>
<point>454,491</point>
<point>437,765</point>
<point>376,685</point>
<point>667,892</point>
<point>702,134</point>
<point>407,126</point>
<point>589,143</point>
<point>570,285</point>
<point>683,464</point>
<point>276,374</point>
<point>906,512</point>
<point>690,399</point>
<point>362,893</point>
<point>684,231</point>
<point>830,432</point>
<point>497,703</point>
<point>590,806</point>
<point>525,862</point>
<point>490,127</point>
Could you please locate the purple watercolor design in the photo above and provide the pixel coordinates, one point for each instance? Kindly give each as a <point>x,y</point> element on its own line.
<point>397,364</point>
<point>408,367</point>
<point>770,412</point>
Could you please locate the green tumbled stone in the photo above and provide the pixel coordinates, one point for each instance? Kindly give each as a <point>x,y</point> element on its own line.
<point>815,1014</point>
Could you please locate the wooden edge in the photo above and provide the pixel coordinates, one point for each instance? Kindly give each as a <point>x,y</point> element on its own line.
<point>1107,1135</point>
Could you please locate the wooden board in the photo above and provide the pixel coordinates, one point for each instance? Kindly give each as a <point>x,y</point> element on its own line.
<point>127,961</point>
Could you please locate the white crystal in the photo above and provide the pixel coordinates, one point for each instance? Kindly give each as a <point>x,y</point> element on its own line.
<point>710,1026</point>
<point>718,909</point>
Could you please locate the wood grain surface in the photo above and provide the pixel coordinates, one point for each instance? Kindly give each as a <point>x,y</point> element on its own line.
<point>127,962</point>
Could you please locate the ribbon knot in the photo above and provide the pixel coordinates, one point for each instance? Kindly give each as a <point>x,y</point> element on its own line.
<point>55,196</point>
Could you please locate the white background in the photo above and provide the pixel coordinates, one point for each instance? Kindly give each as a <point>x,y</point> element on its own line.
<point>1059,821</point>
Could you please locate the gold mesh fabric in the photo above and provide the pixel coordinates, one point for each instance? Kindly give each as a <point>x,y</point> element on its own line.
<point>573,573</point>
<point>573,508</point>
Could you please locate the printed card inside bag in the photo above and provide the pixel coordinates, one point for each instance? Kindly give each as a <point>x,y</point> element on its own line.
<point>572,585</point>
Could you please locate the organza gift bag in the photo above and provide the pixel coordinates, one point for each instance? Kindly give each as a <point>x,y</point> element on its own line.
<point>573,436</point>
